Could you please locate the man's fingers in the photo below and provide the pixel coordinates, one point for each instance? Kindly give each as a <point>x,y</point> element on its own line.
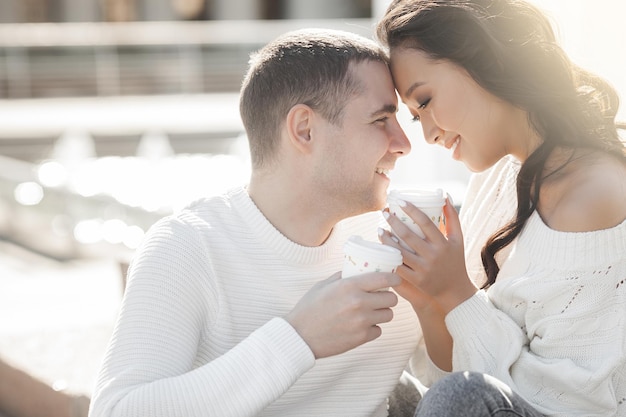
<point>375,281</point>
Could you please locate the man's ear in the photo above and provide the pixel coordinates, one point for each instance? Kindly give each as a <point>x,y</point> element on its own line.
<point>299,125</point>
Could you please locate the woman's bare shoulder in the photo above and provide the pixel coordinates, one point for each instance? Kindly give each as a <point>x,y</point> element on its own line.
<point>591,195</point>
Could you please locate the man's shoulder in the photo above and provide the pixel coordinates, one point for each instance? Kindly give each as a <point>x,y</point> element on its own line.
<point>215,203</point>
<point>210,211</point>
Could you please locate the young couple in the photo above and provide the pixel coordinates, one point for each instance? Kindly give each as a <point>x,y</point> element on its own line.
<point>235,306</point>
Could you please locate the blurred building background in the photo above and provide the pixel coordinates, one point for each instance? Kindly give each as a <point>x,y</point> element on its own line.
<point>37,11</point>
<point>114,113</point>
<point>120,47</point>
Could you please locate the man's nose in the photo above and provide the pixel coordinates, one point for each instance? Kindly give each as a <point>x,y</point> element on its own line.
<point>399,141</point>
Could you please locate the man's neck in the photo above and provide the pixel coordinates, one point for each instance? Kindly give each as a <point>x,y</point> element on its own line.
<point>292,208</point>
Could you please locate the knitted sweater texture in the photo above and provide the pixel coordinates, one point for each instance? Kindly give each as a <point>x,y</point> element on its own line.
<point>553,326</point>
<point>200,331</point>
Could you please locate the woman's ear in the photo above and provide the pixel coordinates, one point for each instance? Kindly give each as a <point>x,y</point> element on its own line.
<point>299,125</point>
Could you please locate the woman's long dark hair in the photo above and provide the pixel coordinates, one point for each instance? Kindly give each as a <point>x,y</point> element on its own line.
<point>509,49</point>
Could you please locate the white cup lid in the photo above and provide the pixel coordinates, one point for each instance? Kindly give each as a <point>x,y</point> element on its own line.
<point>418,197</point>
<point>373,251</point>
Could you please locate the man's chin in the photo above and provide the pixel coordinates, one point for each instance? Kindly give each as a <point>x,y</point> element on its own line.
<point>375,202</point>
<point>380,203</point>
<point>369,208</point>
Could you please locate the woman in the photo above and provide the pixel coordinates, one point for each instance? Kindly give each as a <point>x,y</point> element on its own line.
<point>542,330</point>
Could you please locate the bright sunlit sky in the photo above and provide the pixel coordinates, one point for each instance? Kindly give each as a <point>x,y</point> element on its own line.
<point>593,33</point>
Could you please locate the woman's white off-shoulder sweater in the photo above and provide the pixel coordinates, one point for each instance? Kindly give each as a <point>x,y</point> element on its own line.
<point>553,326</point>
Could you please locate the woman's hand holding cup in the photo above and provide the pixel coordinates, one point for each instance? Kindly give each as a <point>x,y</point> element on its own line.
<point>433,263</point>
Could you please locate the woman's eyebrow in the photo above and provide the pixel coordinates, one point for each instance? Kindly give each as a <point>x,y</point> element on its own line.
<point>413,87</point>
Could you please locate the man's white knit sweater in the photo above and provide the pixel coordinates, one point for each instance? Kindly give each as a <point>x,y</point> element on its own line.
<point>201,332</point>
<point>553,326</point>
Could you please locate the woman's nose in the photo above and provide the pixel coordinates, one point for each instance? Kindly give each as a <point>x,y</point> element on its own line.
<point>432,132</point>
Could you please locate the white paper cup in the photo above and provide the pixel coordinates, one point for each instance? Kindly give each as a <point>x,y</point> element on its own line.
<point>431,202</point>
<point>362,256</point>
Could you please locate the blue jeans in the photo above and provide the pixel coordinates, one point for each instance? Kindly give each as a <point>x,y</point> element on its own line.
<point>472,394</point>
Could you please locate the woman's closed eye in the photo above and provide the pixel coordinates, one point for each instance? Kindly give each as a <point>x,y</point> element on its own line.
<point>416,117</point>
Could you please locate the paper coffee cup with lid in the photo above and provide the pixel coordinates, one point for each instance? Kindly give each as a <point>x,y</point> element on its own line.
<point>431,202</point>
<point>362,256</point>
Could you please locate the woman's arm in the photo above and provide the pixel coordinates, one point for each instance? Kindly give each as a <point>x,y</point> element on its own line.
<point>437,260</point>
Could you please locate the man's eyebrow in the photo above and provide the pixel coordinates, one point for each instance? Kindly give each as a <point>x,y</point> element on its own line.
<point>412,88</point>
<point>386,109</point>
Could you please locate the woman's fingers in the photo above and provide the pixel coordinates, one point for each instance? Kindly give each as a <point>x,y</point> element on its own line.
<point>410,258</point>
<point>408,239</point>
<point>428,228</point>
<point>452,223</point>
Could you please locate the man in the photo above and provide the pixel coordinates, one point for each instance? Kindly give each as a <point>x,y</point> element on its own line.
<point>234,307</point>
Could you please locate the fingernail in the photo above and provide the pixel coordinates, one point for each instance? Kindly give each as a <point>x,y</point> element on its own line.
<point>386,214</point>
<point>381,231</point>
<point>395,239</point>
<point>402,203</point>
<point>450,199</point>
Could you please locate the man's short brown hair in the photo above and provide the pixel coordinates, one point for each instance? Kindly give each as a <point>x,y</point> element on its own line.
<point>310,67</point>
